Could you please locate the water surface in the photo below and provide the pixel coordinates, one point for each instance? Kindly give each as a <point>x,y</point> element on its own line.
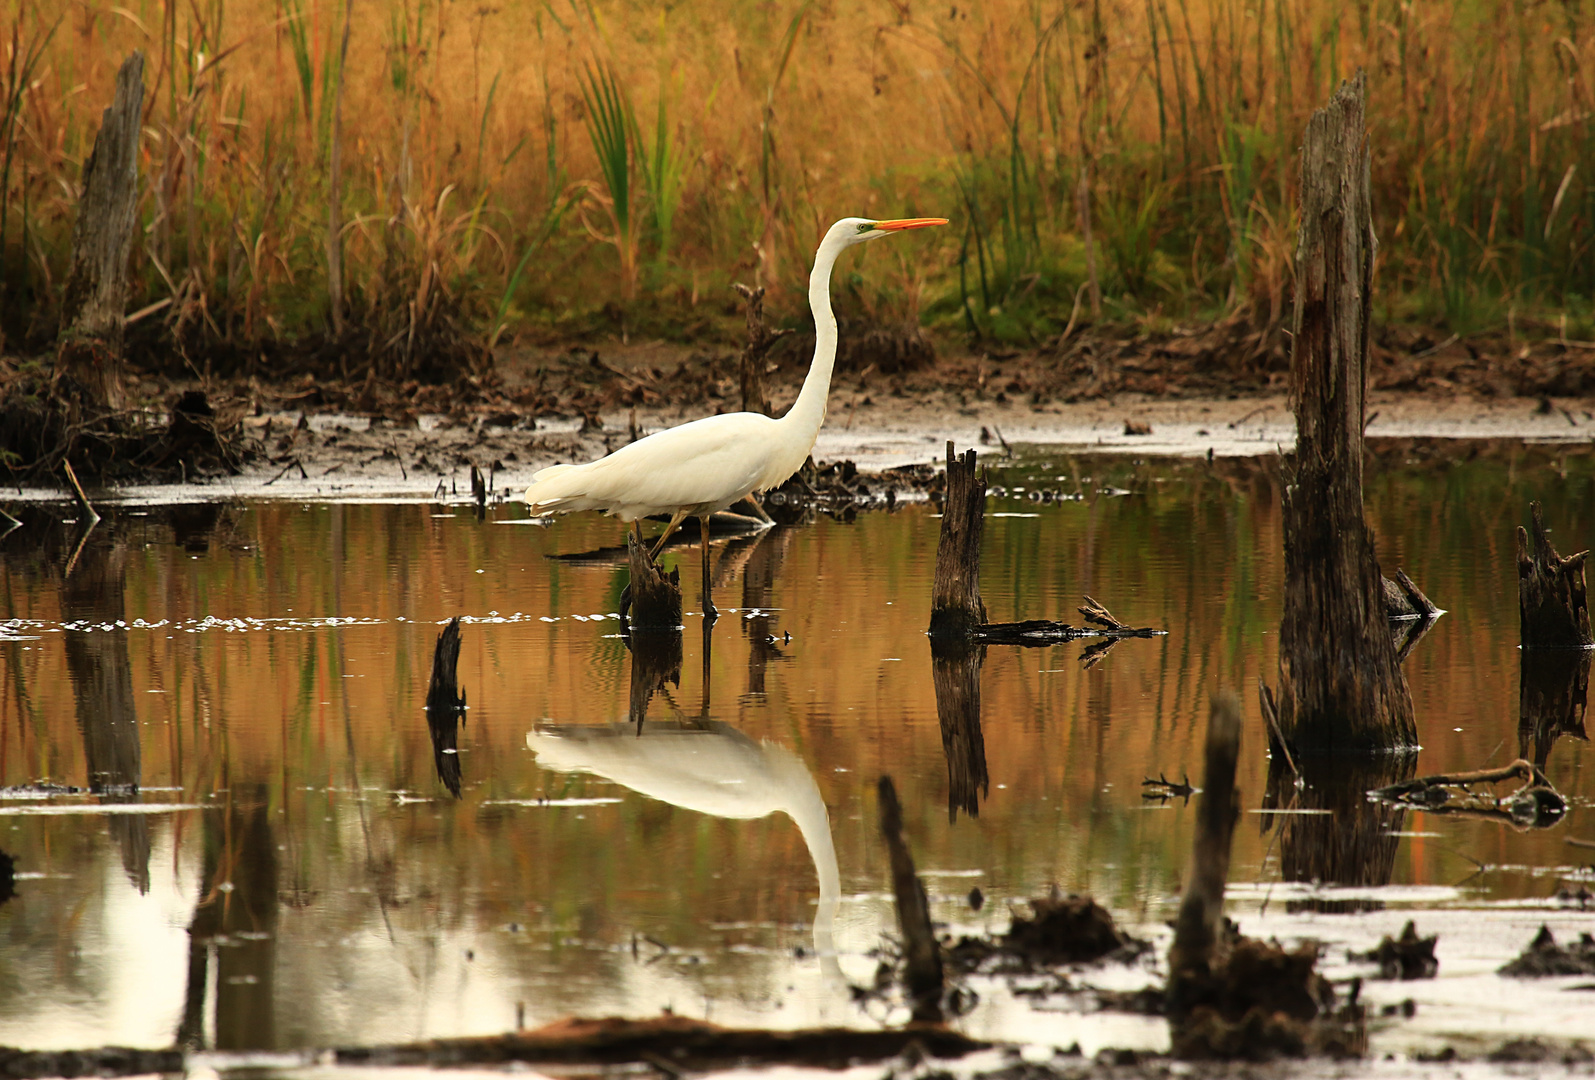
<point>267,852</point>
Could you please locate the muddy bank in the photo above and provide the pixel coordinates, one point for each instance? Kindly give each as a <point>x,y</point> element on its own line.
<point>296,453</point>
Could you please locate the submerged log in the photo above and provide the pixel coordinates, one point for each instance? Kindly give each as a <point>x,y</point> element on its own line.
<point>921,951</point>
<point>1340,685</point>
<point>653,598</point>
<point>1553,603</point>
<point>955,671</point>
<point>1197,926</point>
<point>94,298</point>
<point>956,610</point>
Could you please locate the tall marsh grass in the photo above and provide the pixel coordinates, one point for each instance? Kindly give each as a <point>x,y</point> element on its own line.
<point>493,165</point>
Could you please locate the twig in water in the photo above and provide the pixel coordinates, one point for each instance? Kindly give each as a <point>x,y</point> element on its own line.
<point>1005,447</point>
<point>400,458</point>
<point>77,489</point>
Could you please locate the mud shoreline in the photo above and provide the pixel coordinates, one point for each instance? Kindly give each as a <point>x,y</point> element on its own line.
<point>299,454</point>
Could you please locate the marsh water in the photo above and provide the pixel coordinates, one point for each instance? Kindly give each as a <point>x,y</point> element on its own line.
<point>255,841</point>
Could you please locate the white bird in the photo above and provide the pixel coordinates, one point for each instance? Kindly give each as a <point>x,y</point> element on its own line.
<point>704,466</point>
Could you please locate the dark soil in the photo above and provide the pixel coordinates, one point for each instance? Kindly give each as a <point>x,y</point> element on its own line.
<point>1545,957</point>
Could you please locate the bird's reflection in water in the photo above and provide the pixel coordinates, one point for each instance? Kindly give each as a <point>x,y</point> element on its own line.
<point>702,765</point>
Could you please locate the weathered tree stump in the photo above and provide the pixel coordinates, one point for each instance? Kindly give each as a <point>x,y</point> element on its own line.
<point>445,707</point>
<point>921,951</point>
<point>94,298</point>
<point>955,671</point>
<point>760,340</point>
<point>1553,696</point>
<point>1552,602</point>
<point>1196,927</point>
<point>1340,685</point>
<point>653,599</point>
<point>956,610</point>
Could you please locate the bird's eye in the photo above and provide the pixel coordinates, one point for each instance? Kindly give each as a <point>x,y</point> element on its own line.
<point>865,226</point>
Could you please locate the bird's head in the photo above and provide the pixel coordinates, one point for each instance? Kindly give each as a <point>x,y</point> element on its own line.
<point>854,230</point>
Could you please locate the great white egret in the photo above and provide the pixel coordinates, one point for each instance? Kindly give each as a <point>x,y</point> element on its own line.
<point>704,466</point>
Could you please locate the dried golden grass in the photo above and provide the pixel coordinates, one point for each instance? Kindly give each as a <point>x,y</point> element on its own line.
<point>785,116</point>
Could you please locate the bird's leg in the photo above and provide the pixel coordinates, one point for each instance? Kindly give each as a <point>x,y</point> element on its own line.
<point>709,611</point>
<point>759,511</point>
<point>675,520</point>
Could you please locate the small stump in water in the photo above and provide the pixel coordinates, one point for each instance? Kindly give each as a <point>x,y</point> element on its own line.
<point>1553,604</point>
<point>653,599</point>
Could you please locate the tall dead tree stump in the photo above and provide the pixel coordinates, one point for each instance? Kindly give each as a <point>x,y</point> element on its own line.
<point>956,610</point>
<point>1553,603</point>
<point>94,300</point>
<point>1340,684</point>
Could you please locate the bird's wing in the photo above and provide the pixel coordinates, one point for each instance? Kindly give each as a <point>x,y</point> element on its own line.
<point>708,463</point>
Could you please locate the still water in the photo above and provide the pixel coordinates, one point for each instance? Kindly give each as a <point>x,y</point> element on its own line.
<point>271,855</point>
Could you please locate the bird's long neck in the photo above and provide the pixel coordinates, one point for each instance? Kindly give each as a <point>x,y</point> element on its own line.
<point>808,411</point>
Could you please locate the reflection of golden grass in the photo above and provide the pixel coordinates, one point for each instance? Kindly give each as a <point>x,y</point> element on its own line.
<point>319,709</point>
<point>790,115</point>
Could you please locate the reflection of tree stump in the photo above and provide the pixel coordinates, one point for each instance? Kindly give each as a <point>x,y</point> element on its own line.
<point>1553,695</point>
<point>94,298</point>
<point>445,707</point>
<point>955,668</point>
<point>655,597</point>
<point>1553,606</point>
<point>102,683</point>
<point>1355,841</point>
<point>1196,928</point>
<point>921,951</point>
<point>1340,685</point>
<point>956,610</point>
<point>655,660</point>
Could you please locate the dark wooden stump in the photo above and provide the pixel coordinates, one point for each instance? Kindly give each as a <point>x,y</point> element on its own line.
<point>445,707</point>
<point>1553,696</point>
<point>955,670</point>
<point>1553,604</point>
<point>94,297</point>
<point>653,599</point>
<point>921,952</point>
<point>1196,928</point>
<point>956,610</point>
<point>1340,684</point>
<point>760,339</point>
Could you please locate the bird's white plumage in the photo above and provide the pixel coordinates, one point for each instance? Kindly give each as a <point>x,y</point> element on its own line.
<point>706,465</point>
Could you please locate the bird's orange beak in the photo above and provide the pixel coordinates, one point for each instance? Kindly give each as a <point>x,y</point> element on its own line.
<point>909,223</point>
